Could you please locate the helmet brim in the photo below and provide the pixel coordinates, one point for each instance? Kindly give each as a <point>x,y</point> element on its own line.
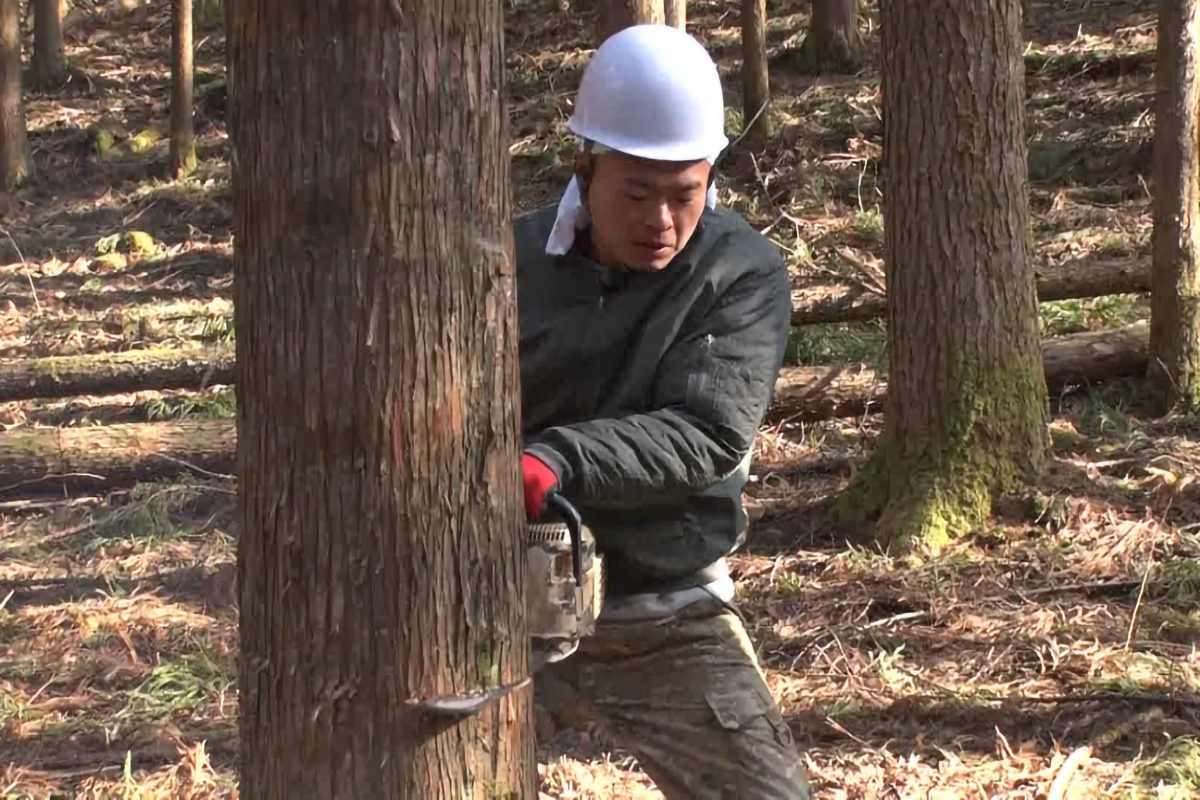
<point>655,151</point>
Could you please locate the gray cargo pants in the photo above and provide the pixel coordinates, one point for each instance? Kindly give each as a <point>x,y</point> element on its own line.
<point>686,696</point>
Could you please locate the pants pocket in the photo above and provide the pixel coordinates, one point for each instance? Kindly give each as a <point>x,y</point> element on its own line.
<point>741,707</point>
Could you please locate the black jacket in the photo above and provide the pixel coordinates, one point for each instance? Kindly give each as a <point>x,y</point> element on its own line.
<point>644,390</point>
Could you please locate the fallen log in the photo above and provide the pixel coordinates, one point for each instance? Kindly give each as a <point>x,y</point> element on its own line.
<point>813,393</point>
<point>65,459</point>
<point>1076,279</point>
<point>35,460</point>
<point>110,373</point>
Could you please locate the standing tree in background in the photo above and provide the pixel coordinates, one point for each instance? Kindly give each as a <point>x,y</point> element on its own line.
<point>49,63</point>
<point>965,415</point>
<point>16,158</point>
<point>1175,301</point>
<point>381,558</point>
<point>675,13</point>
<point>756,89</point>
<point>183,137</point>
<point>832,42</point>
<point>614,15</point>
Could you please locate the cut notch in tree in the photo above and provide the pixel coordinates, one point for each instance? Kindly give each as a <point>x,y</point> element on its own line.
<point>1175,297</point>
<point>965,417</point>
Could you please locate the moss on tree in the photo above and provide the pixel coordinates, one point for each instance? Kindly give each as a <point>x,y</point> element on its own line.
<point>990,437</point>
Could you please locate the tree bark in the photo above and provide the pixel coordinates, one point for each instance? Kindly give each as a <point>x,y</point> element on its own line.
<point>965,417</point>
<point>756,92</point>
<point>675,13</point>
<point>183,137</point>
<point>114,455</point>
<point>111,373</point>
<point>1077,279</point>
<point>1175,296</point>
<point>832,43</point>
<point>36,460</point>
<point>16,158</point>
<point>49,67</point>
<point>381,560</point>
<point>615,15</point>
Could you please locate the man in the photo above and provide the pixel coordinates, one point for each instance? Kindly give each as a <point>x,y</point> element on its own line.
<point>653,326</point>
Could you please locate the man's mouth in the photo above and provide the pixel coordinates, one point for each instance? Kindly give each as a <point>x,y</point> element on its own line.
<point>657,248</point>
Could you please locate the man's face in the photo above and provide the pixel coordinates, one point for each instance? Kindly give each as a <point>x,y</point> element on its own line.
<point>644,212</point>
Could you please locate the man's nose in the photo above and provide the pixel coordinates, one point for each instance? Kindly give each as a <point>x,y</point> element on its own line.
<point>661,219</point>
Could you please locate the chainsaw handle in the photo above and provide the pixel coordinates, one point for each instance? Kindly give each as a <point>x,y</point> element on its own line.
<point>574,522</point>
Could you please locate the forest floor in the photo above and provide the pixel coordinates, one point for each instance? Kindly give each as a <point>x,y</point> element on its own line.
<point>1062,636</point>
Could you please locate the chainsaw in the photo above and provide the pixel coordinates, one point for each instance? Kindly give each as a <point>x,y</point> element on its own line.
<point>566,584</point>
<point>564,597</point>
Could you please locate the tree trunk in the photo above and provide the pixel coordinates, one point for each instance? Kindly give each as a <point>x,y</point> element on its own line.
<point>111,373</point>
<point>381,561</point>
<point>675,13</point>
<point>756,90</point>
<point>49,67</point>
<point>966,415</point>
<point>614,15</point>
<point>832,42</point>
<point>16,158</point>
<point>1078,279</point>
<point>114,455</point>
<point>1175,297</point>
<point>36,460</point>
<point>183,137</point>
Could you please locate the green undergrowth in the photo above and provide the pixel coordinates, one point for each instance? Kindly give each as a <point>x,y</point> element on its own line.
<point>1173,773</point>
<point>220,403</point>
<point>146,517</point>
<point>181,684</point>
<point>1059,317</point>
<point>1102,415</point>
<point>1178,582</point>
<point>850,341</point>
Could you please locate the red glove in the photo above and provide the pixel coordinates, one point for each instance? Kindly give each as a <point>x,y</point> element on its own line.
<point>540,480</point>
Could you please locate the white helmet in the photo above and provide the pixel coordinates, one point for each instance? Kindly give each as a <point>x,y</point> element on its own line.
<point>652,91</point>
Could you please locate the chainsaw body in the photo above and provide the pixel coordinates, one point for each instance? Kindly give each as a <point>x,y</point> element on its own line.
<point>566,583</point>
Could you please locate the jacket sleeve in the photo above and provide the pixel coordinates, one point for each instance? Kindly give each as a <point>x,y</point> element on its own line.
<point>712,390</point>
